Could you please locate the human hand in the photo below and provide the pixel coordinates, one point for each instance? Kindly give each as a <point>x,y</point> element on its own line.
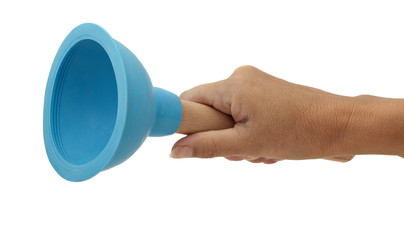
<point>275,120</point>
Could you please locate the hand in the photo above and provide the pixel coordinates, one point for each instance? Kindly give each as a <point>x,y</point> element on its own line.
<point>275,120</point>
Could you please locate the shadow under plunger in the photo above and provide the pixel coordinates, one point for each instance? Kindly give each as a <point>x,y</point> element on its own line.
<point>100,106</point>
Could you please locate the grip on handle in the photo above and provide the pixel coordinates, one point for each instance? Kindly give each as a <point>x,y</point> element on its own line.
<point>198,117</point>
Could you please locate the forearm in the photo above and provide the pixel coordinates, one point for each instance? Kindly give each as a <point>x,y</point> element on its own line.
<point>375,126</point>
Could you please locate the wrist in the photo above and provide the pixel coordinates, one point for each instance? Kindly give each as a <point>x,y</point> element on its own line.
<point>375,126</point>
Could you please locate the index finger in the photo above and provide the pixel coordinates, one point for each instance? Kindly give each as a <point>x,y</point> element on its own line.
<point>214,94</point>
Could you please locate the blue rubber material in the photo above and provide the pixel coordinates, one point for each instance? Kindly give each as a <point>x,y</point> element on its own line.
<point>168,110</point>
<point>100,105</point>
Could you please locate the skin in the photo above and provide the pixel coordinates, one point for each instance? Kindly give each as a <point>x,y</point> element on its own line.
<point>277,120</point>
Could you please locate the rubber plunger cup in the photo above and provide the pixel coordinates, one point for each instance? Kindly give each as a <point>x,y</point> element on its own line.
<point>100,106</point>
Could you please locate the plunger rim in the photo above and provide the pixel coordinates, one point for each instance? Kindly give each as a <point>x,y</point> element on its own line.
<point>67,170</point>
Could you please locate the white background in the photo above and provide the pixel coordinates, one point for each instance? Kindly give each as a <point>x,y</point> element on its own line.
<point>345,47</point>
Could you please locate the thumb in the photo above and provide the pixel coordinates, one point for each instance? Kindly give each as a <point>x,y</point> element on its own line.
<point>209,144</point>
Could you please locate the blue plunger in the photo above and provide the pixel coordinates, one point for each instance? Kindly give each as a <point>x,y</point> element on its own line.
<point>100,106</point>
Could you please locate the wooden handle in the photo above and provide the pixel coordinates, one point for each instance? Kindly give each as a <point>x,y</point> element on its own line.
<point>198,117</point>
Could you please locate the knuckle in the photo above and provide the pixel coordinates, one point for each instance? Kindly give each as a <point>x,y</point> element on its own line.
<point>250,83</point>
<point>243,70</point>
<point>248,87</point>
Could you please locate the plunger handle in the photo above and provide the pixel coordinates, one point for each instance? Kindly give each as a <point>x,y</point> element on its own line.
<point>198,117</point>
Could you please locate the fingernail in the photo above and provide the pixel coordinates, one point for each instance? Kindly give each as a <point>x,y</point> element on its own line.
<point>181,152</point>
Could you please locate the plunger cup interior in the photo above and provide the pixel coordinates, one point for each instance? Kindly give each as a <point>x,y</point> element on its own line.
<point>85,103</point>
